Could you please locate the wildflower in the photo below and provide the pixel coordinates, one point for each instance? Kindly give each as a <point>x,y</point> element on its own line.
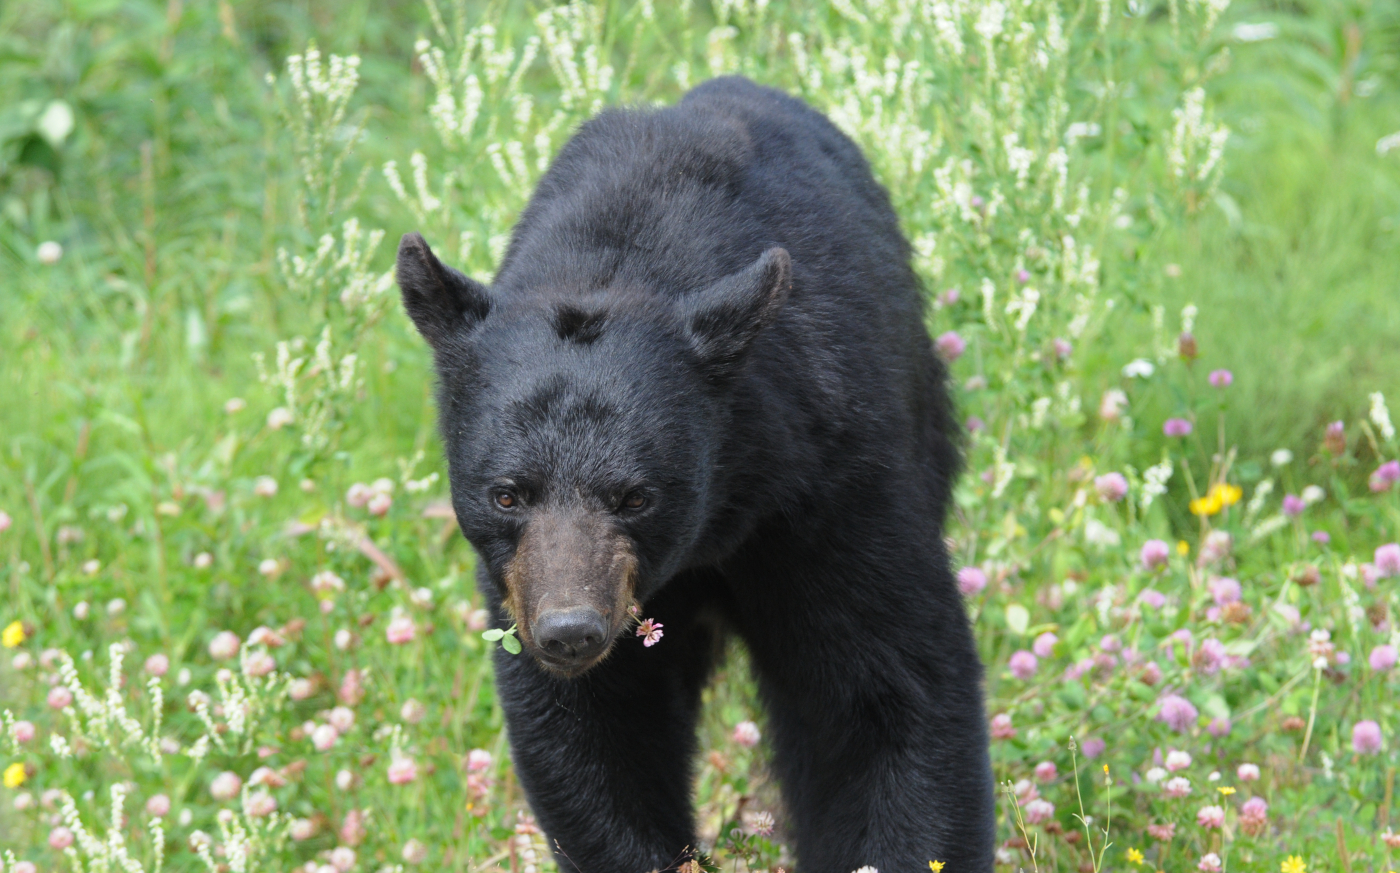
<point>1210,656</point>
<point>225,786</point>
<point>1135,857</point>
<point>1111,486</point>
<point>344,780</point>
<point>158,806</point>
<point>60,838</point>
<point>1023,664</point>
<point>1187,347</point>
<point>1092,747</point>
<point>1178,760</point>
<point>950,345</point>
<point>1111,405</point>
<point>974,424</point>
<point>1224,590</point>
<point>1154,554</point>
<point>323,737</point>
<point>412,711</point>
<point>23,731</point>
<point>1151,597</point>
<point>1382,658</point>
<point>650,632</point>
<point>1248,772</point>
<point>259,664</point>
<point>60,697</point>
<point>279,418</point>
<point>49,252</point>
<point>342,858</point>
<point>1294,864</point>
<point>1140,368</point>
<point>971,580</point>
<point>1002,728</point>
<point>1221,378</point>
<point>1220,496</point>
<point>1293,505</point>
<point>414,852</point>
<point>1039,810</point>
<point>342,718</point>
<point>1387,560</point>
<point>1366,737</point>
<point>1063,348</point>
<point>1281,458</point>
<point>1386,475</point>
<point>352,689</point>
<point>1210,863</point>
<point>936,866</point>
<point>1045,771</point>
<point>224,645</point>
<point>265,486</point>
<point>1177,786</point>
<point>1150,673</point>
<point>401,630</point>
<point>13,634</point>
<point>1044,645</point>
<point>259,804</point>
<point>402,770</point>
<point>1254,816</point>
<point>1162,832</point>
<point>301,689</point>
<point>379,504</point>
<point>1391,839</point>
<point>302,829</point>
<point>1210,816</point>
<point>760,823</point>
<point>1177,427</point>
<point>746,734</point>
<point>15,774</point>
<point>1219,727</point>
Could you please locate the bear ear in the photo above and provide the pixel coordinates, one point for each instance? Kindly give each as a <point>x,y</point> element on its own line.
<point>723,319</point>
<point>440,300</point>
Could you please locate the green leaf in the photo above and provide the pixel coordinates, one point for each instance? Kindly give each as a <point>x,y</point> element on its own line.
<point>510,644</point>
<point>493,634</point>
<point>1018,618</point>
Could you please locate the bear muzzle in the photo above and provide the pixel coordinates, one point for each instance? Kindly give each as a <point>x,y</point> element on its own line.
<point>568,587</point>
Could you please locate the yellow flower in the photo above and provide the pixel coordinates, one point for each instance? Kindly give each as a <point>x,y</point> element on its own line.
<point>1183,548</point>
<point>935,866</point>
<point>1220,495</point>
<point>13,635</point>
<point>1134,856</point>
<point>1229,494</point>
<point>1294,864</point>
<point>1208,505</point>
<point>14,775</point>
<point>1226,790</point>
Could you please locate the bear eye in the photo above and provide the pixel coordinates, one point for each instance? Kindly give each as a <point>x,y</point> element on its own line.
<point>505,499</point>
<point>634,501</point>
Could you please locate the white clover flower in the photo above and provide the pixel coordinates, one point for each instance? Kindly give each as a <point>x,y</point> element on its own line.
<point>1260,32</point>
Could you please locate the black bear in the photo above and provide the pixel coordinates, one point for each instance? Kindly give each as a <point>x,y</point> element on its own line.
<point>701,383</point>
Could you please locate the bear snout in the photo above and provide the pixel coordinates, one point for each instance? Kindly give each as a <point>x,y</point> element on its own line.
<point>568,587</point>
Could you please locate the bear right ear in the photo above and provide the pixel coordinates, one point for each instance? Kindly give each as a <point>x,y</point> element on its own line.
<point>440,300</point>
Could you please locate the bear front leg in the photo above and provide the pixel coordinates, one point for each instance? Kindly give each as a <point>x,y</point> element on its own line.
<point>606,758</point>
<point>872,687</point>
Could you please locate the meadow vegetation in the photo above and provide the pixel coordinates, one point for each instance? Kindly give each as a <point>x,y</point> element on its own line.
<point>1161,242</point>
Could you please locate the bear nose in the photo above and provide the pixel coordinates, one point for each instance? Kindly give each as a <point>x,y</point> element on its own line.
<point>576,634</point>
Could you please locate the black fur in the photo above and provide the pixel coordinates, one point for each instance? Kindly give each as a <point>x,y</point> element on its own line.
<point>713,304</point>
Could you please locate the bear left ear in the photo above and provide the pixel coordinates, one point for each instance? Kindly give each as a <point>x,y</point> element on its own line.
<point>723,319</point>
<point>440,300</point>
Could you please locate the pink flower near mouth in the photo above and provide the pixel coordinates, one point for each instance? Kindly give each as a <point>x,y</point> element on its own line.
<point>650,632</point>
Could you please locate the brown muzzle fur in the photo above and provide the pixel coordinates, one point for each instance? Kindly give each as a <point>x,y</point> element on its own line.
<point>567,559</point>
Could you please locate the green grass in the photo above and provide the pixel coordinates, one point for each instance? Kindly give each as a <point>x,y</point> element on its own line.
<point>178,184</point>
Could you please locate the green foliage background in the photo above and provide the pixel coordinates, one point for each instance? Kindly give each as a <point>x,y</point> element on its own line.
<point>176,184</point>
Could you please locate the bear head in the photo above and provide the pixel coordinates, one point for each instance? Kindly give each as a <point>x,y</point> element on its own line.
<point>582,428</point>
